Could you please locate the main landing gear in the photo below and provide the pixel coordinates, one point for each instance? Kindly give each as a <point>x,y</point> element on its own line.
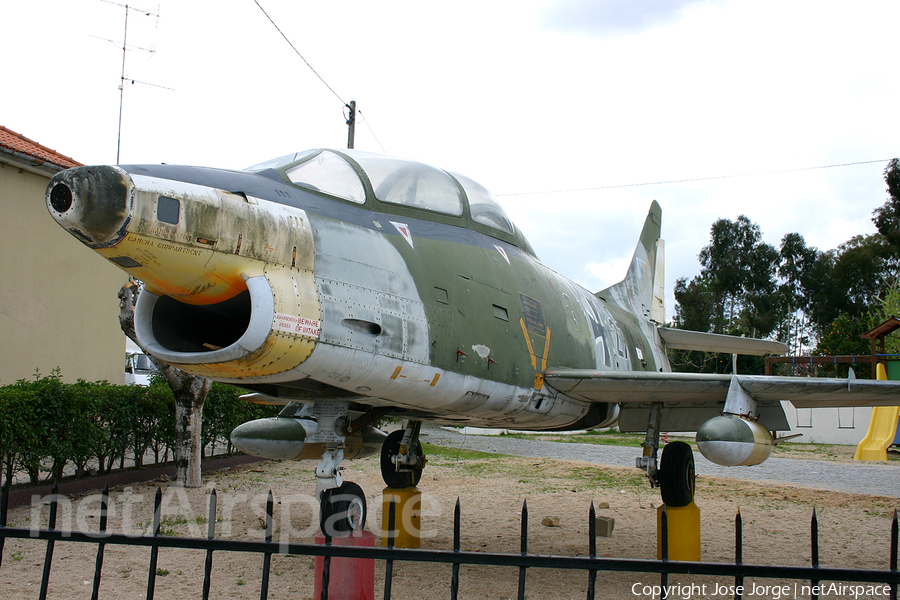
<point>402,459</point>
<point>342,504</point>
<point>675,475</point>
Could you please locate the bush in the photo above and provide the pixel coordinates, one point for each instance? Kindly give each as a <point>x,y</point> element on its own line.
<point>46,425</point>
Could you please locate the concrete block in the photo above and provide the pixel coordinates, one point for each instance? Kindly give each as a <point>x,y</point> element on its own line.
<point>604,526</point>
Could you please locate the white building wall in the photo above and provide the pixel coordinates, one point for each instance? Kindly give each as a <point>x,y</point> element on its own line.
<point>828,425</point>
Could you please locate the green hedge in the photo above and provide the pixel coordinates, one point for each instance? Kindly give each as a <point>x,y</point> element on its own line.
<point>47,425</point>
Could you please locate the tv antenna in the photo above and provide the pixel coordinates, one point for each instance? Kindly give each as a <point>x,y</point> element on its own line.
<point>125,49</point>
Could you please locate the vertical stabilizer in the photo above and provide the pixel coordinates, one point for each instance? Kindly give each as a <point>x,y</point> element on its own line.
<point>643,288</point>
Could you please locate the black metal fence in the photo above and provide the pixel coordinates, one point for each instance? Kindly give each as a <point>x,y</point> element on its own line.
<point>854,582</point>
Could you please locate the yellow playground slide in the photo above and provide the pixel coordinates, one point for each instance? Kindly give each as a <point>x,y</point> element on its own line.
<point>882,429</point>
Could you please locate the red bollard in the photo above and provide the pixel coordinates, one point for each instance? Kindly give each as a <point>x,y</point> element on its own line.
<point>349,578</point>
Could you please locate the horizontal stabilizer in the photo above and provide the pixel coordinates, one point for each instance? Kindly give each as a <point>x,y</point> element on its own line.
<point>682,339</point>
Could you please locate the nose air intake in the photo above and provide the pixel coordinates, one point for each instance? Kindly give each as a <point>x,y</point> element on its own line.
<point>229,284</point>
<point>195,335</point>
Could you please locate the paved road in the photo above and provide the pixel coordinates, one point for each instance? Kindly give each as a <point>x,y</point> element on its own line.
<point>879,479</point>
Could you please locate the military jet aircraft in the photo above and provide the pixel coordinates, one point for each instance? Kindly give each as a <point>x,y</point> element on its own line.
<point>348,286</point>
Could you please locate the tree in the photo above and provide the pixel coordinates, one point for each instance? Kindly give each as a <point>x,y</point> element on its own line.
<point>737,293</point>
<point>866,266</point>
<point>842,338</point>
<point>694,304</point>
<point>190,391</point>
<point>739,273</point>
<point>887,216</point>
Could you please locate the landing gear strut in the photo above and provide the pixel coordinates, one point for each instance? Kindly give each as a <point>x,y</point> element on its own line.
<point>342,504</point>
<point>675,474</point>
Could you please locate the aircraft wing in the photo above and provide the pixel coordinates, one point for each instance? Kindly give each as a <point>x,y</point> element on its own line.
<point>632,387</point>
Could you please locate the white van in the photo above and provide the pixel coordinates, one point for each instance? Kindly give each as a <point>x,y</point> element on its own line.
<point>138,366</point>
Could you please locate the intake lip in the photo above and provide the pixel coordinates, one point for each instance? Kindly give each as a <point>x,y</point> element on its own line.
<point>93,203</point>
<point>258,324</point>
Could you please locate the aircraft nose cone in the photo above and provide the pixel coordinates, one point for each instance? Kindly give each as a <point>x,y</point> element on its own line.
<point>92,203</point>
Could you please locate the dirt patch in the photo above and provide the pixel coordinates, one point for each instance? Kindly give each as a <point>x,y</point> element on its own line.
<point>854,530</point>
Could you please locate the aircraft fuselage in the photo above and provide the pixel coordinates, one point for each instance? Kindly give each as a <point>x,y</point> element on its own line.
<point>303,296</point>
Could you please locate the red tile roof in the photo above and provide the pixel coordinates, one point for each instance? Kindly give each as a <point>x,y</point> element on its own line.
<point>16,143</point>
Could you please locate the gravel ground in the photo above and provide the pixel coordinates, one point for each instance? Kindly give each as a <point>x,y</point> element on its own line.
<point>873,478</point>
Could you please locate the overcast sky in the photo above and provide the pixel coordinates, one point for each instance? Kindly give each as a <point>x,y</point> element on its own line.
<point>535,99</point>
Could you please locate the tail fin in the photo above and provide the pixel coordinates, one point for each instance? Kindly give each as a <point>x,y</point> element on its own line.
<point>643,288</point>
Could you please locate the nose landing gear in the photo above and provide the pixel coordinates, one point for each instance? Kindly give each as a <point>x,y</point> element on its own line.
<point>342,504</point>
<point>342,510</point>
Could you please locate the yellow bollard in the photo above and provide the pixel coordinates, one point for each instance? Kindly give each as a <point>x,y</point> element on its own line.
<point>407,516</point>
<point>684,532</point>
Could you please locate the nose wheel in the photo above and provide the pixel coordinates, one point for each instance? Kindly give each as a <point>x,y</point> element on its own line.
<point>342,510</point>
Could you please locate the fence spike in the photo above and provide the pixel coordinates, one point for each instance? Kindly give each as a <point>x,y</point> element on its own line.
<point>267,557</point>
<point>4,505</point>
<point>524,548</point>
<point>592,551</point>
<point>457,519</point>
<point>664,575</point>
<point>48,556</point>
<point>524,531</point>
<point>210,535</point>
<point>389,564</point>
<point>454,578</point>
<point>894,548</point>
<point>738,552</point>
<point>270,505</point>
<point>894,541</point>
<point>326,567</point>
<point>814,550</point>
<point>154,550</point>
<point>101,546</point>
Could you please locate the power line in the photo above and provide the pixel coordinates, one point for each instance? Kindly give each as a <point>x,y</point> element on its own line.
<point>298,53</point>
<point>347,105</point>
<point>735,176</point>
<point>372,131</point>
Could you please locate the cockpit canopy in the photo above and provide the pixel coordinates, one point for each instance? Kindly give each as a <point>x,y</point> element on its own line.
<point>348,174</point>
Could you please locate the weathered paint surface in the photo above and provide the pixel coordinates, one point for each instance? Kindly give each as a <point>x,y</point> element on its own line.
<point>386,304</point>
<point>199,246</point>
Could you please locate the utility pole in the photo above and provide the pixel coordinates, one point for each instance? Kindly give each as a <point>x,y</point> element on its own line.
<point>351,124</point>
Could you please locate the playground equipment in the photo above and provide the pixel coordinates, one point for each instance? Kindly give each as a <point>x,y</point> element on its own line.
<point>882,429</point>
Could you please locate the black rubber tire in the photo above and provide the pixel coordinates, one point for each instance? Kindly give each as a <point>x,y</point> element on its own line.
<point>676,474</point>
<point>393,478</point>
<point>342,510</point>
